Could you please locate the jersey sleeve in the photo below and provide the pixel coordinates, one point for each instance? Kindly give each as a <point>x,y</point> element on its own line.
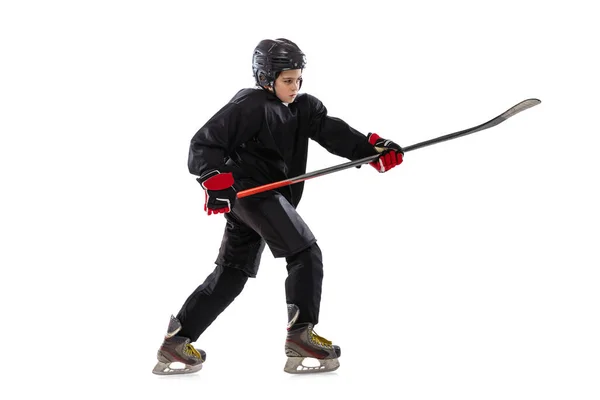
<point>231,126</point>
<point>335,135</point>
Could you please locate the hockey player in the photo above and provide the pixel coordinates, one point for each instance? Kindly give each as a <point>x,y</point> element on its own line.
<point>261,136</point>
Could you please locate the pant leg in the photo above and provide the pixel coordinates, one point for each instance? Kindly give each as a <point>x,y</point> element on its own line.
<point>271,216</point>
<point>241,247</point>
<point>209,300</point>
<point>304,282</point>
<point>255,220</point>
<point>238,259</point>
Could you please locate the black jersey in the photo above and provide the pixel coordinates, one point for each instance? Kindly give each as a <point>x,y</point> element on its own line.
<point>262,140</point>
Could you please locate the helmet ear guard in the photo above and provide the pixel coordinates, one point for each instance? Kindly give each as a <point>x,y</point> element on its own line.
<point>262,79</point>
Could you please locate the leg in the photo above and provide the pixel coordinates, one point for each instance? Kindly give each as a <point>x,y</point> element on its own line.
<point>287,235</point>
<point>201,308</point>
<point>239,258</point>
<point>209,300</point>
<point>304,282</point>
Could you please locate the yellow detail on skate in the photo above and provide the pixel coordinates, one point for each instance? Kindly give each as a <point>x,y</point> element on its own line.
<point>189,349</point>
<point>319,339</point>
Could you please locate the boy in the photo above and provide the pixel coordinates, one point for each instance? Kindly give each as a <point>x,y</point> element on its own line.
<point>261,136</point>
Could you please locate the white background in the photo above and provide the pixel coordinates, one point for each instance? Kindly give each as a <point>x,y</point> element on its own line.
<point>469,272</point>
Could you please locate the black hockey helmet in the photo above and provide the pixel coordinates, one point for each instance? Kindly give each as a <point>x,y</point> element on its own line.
<point>273,56</point>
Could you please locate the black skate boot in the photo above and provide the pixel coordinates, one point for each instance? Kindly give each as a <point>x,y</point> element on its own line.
<point>177,349</point>
<point>302,342</point>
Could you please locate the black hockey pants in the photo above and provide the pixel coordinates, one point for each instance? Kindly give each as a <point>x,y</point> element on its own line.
<point>255,220</point>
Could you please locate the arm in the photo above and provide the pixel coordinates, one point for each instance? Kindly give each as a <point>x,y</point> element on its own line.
<point>335,135</point>
<point>233,125</point>
<point>339,138</point>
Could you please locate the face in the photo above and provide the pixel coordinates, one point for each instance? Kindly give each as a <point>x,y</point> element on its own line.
<point>287,85</point>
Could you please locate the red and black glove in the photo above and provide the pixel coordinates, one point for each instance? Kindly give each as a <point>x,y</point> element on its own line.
<point>219,192</point>
<point>391,153</point>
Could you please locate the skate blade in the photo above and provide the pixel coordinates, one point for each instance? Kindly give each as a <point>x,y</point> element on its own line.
<point>162,368</point>
<point>294,365</point>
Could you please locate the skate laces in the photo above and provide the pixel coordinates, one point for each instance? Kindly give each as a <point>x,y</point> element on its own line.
<point>191,350</point>
<point>319,339</point>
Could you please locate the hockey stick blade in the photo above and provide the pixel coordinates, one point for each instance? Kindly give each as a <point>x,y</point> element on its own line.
<point>522,106</point>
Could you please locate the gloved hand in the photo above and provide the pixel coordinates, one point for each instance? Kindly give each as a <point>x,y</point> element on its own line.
<point>219,192</point>
<point>391,153</point>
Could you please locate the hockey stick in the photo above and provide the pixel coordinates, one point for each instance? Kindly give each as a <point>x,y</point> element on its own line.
<point>522,106</point>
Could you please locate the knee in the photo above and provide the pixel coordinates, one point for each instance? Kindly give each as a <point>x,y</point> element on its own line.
<point>233,277</point>
<point>231,280</point>
<point>309,257</point>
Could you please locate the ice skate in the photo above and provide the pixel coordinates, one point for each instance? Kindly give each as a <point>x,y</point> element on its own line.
<point>177,349</point>
<point>303,343</point>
